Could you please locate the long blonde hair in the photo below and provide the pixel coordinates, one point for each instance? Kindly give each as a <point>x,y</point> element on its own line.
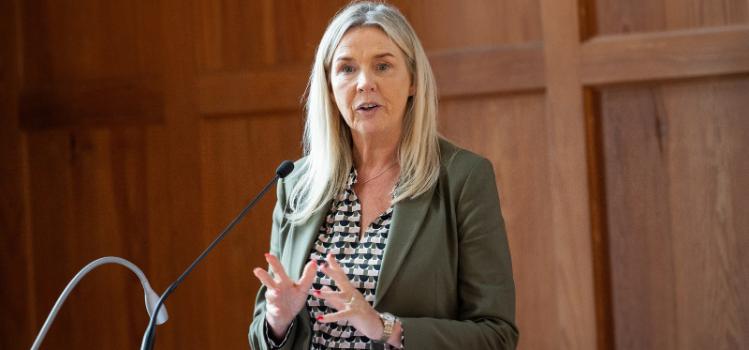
<point>327,138</point>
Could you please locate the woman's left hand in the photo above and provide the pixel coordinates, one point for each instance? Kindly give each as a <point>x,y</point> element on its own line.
<point>349,302</point>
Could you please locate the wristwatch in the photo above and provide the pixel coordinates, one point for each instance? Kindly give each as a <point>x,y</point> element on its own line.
<point>388,323</point>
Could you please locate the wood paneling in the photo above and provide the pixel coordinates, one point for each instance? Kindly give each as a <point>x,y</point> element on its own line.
<point>568,173</point>
<point>614,16</point>
<point>88,200</point>
<point>507,133</point>
<point>140,128</point>
<point>676,176</point>
<point>17,300</point>
<point>271,89</point>
<point>445,24</point>
<point>239,156</point>
<point>654,56</point>
<point>84,40</point>
<point>117,102</point>
<point>463,72</point>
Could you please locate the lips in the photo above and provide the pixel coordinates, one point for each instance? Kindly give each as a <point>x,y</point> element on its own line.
<point>367,106</point>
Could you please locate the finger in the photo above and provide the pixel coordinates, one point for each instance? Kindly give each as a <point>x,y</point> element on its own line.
<point>334,317</point>
<point>336,272</point>
<point>326,294</point>
<point>308,275</point>
<point>265,278</point>
<point>277,268</point>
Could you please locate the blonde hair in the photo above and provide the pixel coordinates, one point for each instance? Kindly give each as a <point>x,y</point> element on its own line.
<point>327,139</point>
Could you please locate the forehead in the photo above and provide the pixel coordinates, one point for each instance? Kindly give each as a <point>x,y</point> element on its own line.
<point>365,41</point>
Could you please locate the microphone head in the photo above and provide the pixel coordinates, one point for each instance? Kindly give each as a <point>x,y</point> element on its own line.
<point>285,168</point>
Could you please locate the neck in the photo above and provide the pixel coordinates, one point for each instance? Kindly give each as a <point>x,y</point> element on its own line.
<point>371,154</point>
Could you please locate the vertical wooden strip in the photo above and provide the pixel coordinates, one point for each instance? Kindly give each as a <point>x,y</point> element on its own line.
<point>176,239</point>
<point>598,220</point>
<point>568,176</point>
<point>17,293</point>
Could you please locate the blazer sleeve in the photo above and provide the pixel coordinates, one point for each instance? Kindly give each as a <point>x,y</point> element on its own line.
<point>257,327</point>
<point>486,289</point>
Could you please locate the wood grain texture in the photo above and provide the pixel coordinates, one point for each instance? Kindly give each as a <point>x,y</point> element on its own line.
<point>621,17</point>
<point>665,55</point>
<point>272,89</point>
<point>568,173</point>
<point>239,156</point>
<point>17,301</point>
<point>516,68</point>
<point>676,170</point>
<point>505,130</point>
<point>131,101</point>
<point>445,24</point>
<point>87,201</point>
<point>90,40</point>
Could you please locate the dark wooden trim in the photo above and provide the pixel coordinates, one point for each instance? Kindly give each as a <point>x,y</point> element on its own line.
<point>665,55</point>
<point>599,222</point>
<point>92,103</point>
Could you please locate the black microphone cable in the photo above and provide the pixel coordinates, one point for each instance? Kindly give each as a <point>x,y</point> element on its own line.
<point>148,338</point>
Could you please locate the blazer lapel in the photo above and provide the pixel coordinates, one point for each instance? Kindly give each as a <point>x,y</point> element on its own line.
<point>301,238</point>
<point>408,216</point>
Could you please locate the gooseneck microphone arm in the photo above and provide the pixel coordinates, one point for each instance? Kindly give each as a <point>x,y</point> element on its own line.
<point>150,295</point>
<point>284,169</point>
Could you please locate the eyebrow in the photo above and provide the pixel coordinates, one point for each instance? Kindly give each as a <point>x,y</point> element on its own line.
<point>347,58</point>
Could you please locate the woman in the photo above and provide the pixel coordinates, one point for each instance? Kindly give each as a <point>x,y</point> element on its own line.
<point>385,236</point>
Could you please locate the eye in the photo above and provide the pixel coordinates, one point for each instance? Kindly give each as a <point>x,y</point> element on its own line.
<point>383,67</point>
<point>346,69</point>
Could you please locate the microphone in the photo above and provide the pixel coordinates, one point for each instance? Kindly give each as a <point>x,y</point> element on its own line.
<point>282,171</point>
<point>150,296</point>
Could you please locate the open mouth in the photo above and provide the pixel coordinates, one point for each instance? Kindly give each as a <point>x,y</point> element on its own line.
<point>367,106</point>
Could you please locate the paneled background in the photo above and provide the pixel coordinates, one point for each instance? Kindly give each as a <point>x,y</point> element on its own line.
<point>618,131</point>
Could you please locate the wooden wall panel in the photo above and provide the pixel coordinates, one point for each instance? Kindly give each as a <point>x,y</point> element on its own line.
<point>239,156</point>
<point>82,40</point>
<point>17,300</point>
<point>88,200</point>
<point>676,178</point>
<point>446,24</point>
<point>614,16</point>
<point>505,129</point>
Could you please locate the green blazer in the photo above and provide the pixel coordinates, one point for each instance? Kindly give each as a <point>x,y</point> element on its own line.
<point>446,272</point>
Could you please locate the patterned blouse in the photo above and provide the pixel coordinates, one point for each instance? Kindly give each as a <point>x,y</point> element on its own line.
<point>360,257</point>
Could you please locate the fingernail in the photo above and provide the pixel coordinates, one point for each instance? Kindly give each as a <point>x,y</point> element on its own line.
<point>316,293</point>
<point>267,255</point>
<point>319,318</point>
<point>314,263</point>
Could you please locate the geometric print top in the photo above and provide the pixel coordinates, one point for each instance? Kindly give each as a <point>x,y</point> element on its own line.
<point>360,259</point>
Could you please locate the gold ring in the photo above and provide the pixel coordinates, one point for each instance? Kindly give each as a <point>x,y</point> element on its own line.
<point>350,301</point>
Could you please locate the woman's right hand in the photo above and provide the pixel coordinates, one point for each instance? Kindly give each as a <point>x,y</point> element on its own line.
<point>284,298</point>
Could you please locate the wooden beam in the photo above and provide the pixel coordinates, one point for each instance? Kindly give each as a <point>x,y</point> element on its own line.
<point>570,202</point>
<point>269,89</point>
<point>93,103</point>
<point>665,55</point>
<point>512,68</point>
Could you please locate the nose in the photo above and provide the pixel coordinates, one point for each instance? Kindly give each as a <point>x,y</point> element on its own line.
<point>365,82</point>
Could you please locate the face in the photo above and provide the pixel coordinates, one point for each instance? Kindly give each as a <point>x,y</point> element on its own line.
<point>370,81</point>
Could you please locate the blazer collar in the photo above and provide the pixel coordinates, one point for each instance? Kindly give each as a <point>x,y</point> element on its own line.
<point>408,216</point>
